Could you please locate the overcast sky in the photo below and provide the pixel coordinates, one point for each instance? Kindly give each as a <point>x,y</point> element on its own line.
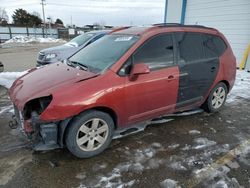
<point>111,12</point>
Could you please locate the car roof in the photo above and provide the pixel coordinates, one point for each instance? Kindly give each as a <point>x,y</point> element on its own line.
<point>141,30</point>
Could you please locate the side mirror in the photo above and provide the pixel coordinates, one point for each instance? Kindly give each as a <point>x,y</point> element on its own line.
<point>137,69</point>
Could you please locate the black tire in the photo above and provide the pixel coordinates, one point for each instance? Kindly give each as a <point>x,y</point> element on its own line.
<point>72,133</point>
<point>207,106</point>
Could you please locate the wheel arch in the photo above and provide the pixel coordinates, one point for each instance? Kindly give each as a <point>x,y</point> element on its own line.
<point>63,125</point>
<point>226,83</point>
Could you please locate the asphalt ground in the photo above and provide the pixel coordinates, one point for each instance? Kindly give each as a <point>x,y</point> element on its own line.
<point>20,58</point>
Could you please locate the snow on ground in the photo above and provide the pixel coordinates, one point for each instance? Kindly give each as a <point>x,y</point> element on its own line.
<point>203,143</point>
<point>173,146</point>
<point>241,87</point>
<point>7,78</point>
<point>136,161</point>
<point>8,109</point>
<point>32,39</point>
<point>168,183</point>
<point>194,132</point>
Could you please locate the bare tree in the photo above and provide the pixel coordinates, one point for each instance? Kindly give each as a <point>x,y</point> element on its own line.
<point>4,18</point>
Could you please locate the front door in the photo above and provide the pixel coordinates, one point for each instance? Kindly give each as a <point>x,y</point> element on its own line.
<point>154,93</point>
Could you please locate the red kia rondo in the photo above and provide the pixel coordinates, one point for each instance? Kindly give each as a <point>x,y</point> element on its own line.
<point>126,78</point>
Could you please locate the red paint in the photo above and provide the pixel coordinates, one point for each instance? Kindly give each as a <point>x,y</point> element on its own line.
<point>144,97</point>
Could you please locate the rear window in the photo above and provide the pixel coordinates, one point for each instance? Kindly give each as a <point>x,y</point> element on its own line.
<point>214,46</point>
<point>197,46</point>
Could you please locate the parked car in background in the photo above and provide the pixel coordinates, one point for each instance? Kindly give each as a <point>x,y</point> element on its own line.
<point>126,78</point>
<point>59,53</point>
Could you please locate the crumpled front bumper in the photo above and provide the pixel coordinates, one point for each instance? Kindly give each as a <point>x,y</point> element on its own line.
<point>43,135</point>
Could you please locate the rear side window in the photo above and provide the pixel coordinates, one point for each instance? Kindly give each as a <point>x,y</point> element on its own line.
<point>157,52</point>
<point>190,47</point>
<point>214,46</point>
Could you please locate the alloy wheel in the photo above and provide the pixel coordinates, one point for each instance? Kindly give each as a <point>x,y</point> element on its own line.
<point>92,134</point>
<point>218,98</point>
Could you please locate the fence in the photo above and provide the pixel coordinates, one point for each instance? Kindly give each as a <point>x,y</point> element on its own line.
<point>9,32</point>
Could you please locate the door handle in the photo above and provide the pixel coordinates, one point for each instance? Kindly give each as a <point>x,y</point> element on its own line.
<point>171,77</point>
<point>213,69</point>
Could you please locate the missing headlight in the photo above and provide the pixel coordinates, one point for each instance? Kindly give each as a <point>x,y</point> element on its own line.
<point>38,105</point>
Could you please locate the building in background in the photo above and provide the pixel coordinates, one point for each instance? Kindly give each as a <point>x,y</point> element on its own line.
<point>231,17</point>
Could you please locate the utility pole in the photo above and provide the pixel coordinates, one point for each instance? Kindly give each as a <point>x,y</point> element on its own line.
<point>49,19</point>
<point>165,13</point>
<point>71,21</point>
<point>44,23</point>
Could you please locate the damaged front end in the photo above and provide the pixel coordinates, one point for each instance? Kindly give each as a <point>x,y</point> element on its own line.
<point>43,135</point>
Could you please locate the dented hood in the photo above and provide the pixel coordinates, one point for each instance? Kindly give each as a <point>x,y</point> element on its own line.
<point>44,81</point>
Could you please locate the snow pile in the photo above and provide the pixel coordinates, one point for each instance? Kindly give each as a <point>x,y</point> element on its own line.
<point>241,87</point>
<point>32,39</point>
<point>7,78</point>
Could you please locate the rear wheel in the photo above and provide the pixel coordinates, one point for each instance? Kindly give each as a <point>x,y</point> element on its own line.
<point>89,134</point>
<point>216,98</point>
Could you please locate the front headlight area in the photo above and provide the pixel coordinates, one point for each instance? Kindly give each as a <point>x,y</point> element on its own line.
<point>37,105</point>
<point>43,135</point>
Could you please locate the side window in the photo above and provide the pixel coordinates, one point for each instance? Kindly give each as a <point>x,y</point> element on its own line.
<point>209,46</point>
<point>189,47</point>
<point>157,52</point>
<point>214,46</point>
<point>220,45</point>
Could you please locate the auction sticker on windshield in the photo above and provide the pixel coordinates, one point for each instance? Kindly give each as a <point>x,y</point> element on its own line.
<point>121,39</point>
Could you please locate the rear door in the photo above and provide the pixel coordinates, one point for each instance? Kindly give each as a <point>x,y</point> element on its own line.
<point>198,66</point>
<point>154,93</point>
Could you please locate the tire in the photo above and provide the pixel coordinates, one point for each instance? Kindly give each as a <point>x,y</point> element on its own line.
<point>216,98</point>
<point>89,134</point>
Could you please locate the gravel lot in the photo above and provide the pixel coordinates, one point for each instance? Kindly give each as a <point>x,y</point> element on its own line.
<point>200,150</point>
<point>20,58</point>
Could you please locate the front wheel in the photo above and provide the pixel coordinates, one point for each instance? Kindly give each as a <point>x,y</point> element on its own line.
<point>89,134</point>
<point>216,98</point>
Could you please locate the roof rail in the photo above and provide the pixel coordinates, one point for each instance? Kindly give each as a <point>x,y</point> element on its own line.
<point>181,25</point>
<point>119,29</point>
<point>166,24</point>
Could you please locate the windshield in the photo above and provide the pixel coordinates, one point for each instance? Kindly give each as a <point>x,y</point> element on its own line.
<point>103,53</point>
<point>81,39</point>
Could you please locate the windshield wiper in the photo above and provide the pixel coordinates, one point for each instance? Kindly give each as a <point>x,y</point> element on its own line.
<point>77,64</point>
